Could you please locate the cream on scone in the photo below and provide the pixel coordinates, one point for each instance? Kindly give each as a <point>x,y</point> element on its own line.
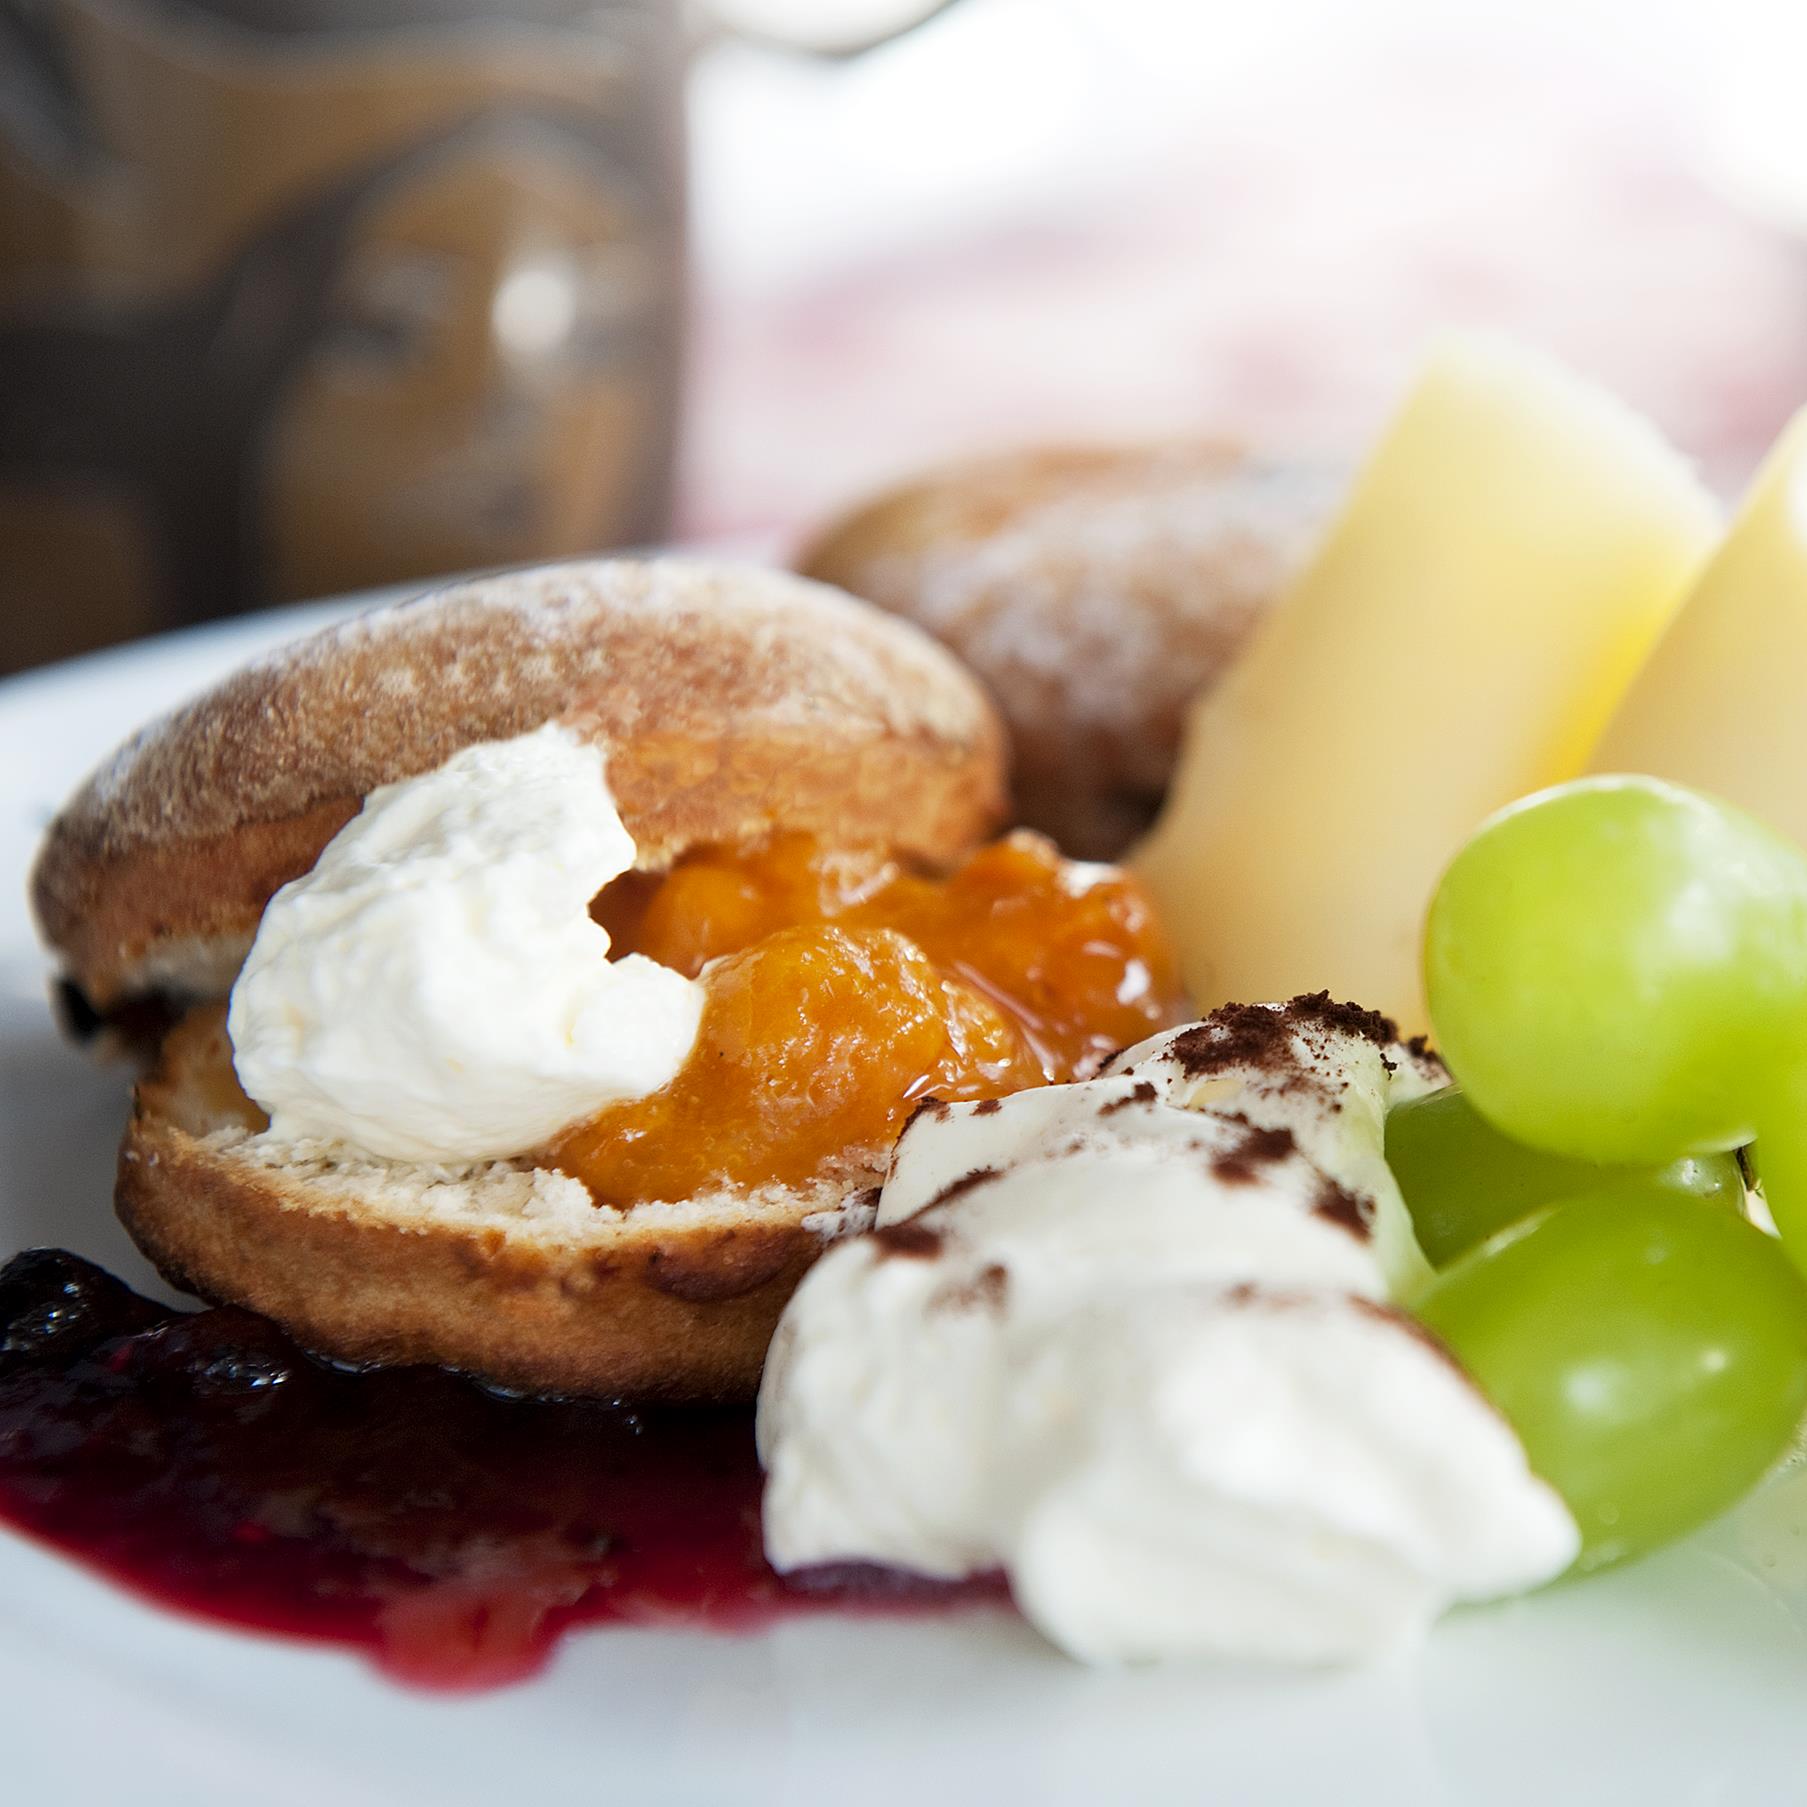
<point>597,948</point>
<point>435,988</point>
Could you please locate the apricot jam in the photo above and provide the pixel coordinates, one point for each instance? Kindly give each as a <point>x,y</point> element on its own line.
<point>841,989</point>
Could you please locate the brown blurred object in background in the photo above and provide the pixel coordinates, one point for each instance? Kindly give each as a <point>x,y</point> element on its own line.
<point>1097,591</point>
<point>300,296</point>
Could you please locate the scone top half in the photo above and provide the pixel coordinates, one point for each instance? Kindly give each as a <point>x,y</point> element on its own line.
<point>731,706</point>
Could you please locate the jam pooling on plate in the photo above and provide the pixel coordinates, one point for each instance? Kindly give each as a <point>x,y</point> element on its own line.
<point>841,989</point>
<point>454,1535</point>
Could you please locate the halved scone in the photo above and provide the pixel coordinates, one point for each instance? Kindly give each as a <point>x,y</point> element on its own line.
<point>805,782</point>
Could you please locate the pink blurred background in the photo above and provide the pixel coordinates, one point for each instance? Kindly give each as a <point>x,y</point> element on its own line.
<point>1079,218</point>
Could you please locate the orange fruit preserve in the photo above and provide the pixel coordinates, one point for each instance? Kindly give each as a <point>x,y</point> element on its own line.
<point>841,990</point>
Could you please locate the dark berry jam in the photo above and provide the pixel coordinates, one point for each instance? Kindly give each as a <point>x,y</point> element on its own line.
<point>207,1462</point>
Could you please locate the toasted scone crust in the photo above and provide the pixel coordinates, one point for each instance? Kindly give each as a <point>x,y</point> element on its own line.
<point>653,1303</point>
<point>729,702</point>
<point>1097,590</point>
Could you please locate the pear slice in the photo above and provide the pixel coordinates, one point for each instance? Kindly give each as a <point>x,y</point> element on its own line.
<point>1722,702</point>
<point>1510,553</point>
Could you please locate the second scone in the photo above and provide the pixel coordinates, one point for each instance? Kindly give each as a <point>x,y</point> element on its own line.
<point>1097,591</point>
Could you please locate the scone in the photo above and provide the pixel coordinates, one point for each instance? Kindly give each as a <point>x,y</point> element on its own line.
<point>799,785</point>
<point>1097,591</point>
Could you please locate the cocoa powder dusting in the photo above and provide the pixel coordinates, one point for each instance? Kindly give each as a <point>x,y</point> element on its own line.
<point>910,1240</point>
<point>1241,1164</point>
<point>1320,1007</point>
<point>931,1106</point>
<point>1335,1204</point>
<point>1238,1035</point>
<point>959,1188</point>
<point>1257,1036</point>
<point>1144,1092</point>
<point>984,1292</point>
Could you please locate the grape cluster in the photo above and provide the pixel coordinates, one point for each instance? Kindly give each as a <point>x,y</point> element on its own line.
<point>1617,975</point>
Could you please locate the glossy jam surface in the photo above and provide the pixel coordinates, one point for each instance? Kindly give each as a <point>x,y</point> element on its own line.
<point>845,989</point>
<point>206,1462</point>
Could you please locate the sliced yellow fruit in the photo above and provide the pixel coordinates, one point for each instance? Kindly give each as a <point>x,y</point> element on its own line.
<point>1511,552</point>
<point>1722,702</point>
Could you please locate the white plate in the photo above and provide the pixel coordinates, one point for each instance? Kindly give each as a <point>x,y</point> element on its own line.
<point>1680,1680</point>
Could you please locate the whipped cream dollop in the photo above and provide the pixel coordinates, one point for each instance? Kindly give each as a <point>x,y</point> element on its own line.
<point>1129,1341</point>
<point>435,989</point>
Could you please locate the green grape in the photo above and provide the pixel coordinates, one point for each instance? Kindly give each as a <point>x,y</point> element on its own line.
<point>1608,964</point>
<point>1651,1355</point>
<point>1463,1181</point>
